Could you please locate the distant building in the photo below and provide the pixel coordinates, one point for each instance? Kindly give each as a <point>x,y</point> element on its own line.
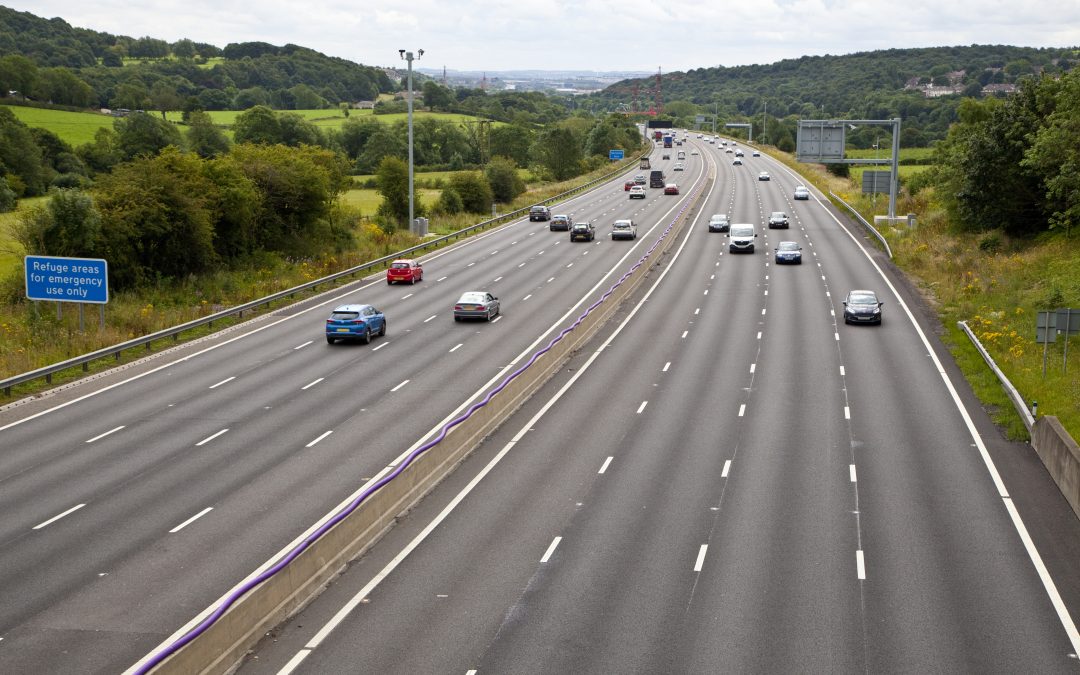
<point>364,105</point>
<point>993,89</point>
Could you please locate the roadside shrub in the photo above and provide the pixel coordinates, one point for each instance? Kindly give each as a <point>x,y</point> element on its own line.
<point>474,190</point>
<point>7,197</point>
<point>449,202</point>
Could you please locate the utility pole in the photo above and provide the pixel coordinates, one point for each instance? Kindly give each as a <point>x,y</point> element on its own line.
<point>408,56</point>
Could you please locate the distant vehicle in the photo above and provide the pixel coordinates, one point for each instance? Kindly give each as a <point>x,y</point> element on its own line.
<point>736,162</point>
<point>778,220</point>
<point>862,307</point>
<point>788,252</point>
<point>679,166</point>
<point>694,151</point>
<point>801,192</point>
<point>668,140</point>
<point>623,229</point>
<point>666,155</point>
<point>671,189</point>
<point>742,237</point>
<point>637,192</point>
<point>723,143</point>
<point>560,222</point>
<point>640,179</point>
<point>764,175</point>
<point>541,213</point>
<point>678,141</point>
<point>476,305</point>
<point>681,155</point>
<point>405,269</point>
<point>656,178</point>
<point>719,223</point>
<point>354,322</point>
<point>583,231</point>
<point>644,164</point>
<point>729,151</point>
<point>755,154</point>
<point>739,153</point>
<point>627,185</point>
<point>657,134</point>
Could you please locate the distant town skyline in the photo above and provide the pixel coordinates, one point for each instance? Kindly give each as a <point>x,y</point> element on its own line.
<point>594,35</point>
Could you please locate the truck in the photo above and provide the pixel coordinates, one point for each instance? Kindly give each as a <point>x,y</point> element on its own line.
<point>667,141</point>
<point>644,164</point>
<point>657,134</point>
<point>656,178</point>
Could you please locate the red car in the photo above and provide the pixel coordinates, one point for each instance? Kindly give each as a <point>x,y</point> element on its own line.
<point>629,184</point>
<point>404,270</point>
<point>671,189</point>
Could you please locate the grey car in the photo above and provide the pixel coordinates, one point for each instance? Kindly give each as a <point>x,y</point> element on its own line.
<point>778,219</point>
<point>476,305</point>
<point>862,306</point>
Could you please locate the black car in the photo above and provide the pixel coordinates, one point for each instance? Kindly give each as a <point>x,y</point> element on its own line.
<point>788,252</point>
<point>778,219</point>
<point>582,231</point>
<point>541,213</point>
<point>862,307</point>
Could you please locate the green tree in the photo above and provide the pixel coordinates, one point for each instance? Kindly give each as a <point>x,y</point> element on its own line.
<point>449,202</point>
<point>8,199</point>
<point>383,143</point>
<point>295,130</point>
<point>557,151</point>
<point>63,87</point>
<point>306,98</point>
<point>184,49</point>
<point>502,175</point>
<point>20,157</point>
<point>203,138</point>
<point>1054,153</point>
<point>130,96</point>
<point>257,125</point>
<point>436,96</point>
<point>392,183</point>
<point>142,134</point>
<point>17,73</point>
<point>511,141</point>
<point>355,133</point>
<point>103,153</point>
<point>474,190</point>
<point>68,224</point>
<point>163,97</point>
<point>235,204</point>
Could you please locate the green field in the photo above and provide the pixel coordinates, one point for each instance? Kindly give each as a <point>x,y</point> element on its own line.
<point>74,127</point>
<point>909,154</point>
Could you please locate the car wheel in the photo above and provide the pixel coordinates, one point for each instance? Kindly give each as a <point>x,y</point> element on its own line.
<point>412,281</point>
<point>389,283</point>
<point>457,318</point>
<point>487,317</point>
<point>329,340</point>
<point>367,336</point>
<point>382,330</point>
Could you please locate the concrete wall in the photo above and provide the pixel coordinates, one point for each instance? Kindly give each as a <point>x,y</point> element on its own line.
<point>225,643</point>
<point>1061,455</point>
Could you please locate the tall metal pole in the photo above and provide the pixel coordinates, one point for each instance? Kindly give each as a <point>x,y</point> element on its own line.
<point>408,56</point>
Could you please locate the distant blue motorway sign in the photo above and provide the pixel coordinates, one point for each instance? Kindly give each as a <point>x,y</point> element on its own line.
<point>615,155</point>
<point>67,279</point>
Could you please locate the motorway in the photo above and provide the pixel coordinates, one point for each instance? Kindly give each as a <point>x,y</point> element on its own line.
<point>728,478</point>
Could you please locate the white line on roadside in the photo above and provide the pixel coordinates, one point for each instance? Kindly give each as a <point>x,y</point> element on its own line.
<point>841,371</point>
<point>312,384</point>
<point>441,279</point>
<point>551,549</point>
<point>400,386</point>
<point>100,436</point>
<point>319,438</point>
<point>727,469</point>
<point>526,297</point>
<point>847,413</point>
<point>407,296</point>
<point>697,311</point>
<point>471,264</point>
<point>570,265</point>
<point>496,280</point>
<point>605,465</point>
<point>666,366</point>
<point>303,345</point>
<point>753,367</point>
<point>191,520</point>
<point>294,662</point>
<point>642,406</point>
<point>759,335</point>
<point>52,520</point>
<point>685,333</point>
<point>700,557</point>
<point>762,311</point>
<point>430,318</point>
<point>836,336</point>
<point>497,319</point>
<point>381,345</point>
<point>742,409</point>
<point>227,379</point>
<point>860,565</point>
<point>550,280</point>
<point>706,291</point>
<point>456,347</point>
<point>210,438</point>
<point>851,473</point>
<point>523,264</point>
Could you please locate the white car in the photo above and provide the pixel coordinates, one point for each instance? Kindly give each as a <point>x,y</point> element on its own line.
<point>693,152</point>
<point>623,229</point>
<point>801,192</point>
<point>679,166</point>
<point>755,154</point>
<point>736,162</point>
<point>764,175</point>
<point>637,192</point>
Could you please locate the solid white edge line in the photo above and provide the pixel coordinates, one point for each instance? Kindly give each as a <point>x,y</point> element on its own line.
<point>210,438</point>
<point>101,436</point>
<point>191,520</point>
<point>700,557</point>
<point>55,518</point>
<point>320,437</point>
<point>860,565</point>
<point>605,465</point>
<point>295,661</point>
<point>727,469</point>
<point>311,384</point>
<point>642,406</point>
<point>551,549</point>
<point>400,386</point>
<point>227,379</point>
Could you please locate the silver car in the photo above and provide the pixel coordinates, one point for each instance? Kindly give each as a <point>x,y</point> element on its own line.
<point>476,305</point>
<point>623,229</point>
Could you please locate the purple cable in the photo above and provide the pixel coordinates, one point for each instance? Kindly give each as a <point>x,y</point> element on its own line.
<point>239,592</point>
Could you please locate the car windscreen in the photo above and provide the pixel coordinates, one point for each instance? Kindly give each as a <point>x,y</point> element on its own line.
<point>862,299</point>
<point>477,298</point>
<point>742,231</point>
<point>788,246</point>
<point>400,266</point>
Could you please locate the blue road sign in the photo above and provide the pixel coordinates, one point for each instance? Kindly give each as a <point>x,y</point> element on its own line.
<point>67,279</point>
<point>615,155</point>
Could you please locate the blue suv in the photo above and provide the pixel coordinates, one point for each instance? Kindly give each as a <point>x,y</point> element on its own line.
<point>355,322</point>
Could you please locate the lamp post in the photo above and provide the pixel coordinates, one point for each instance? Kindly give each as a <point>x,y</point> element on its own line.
<point>408,56</point>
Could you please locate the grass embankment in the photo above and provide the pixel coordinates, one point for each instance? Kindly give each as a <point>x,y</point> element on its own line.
<point>997,285</point>
<point>32,336</point>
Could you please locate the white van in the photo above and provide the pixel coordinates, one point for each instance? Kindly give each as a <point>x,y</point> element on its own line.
<point>681,155</point>
<point>742,237</point>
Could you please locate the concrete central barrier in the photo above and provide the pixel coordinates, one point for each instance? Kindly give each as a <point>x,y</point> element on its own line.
<point>222,645</point>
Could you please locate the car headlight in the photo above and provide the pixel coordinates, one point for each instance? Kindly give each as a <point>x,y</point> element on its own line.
<point>877,310</point>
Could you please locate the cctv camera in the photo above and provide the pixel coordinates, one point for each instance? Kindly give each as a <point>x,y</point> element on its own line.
<point>401,52</point>
<point>420,52</point>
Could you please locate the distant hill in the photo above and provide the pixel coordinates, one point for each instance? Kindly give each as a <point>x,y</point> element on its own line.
<point>869,85</point>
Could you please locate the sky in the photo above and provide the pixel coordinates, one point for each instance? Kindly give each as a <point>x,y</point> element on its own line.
<point>597,35</point>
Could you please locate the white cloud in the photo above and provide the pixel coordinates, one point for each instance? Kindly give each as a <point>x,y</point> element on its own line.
<point>587,35</point>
